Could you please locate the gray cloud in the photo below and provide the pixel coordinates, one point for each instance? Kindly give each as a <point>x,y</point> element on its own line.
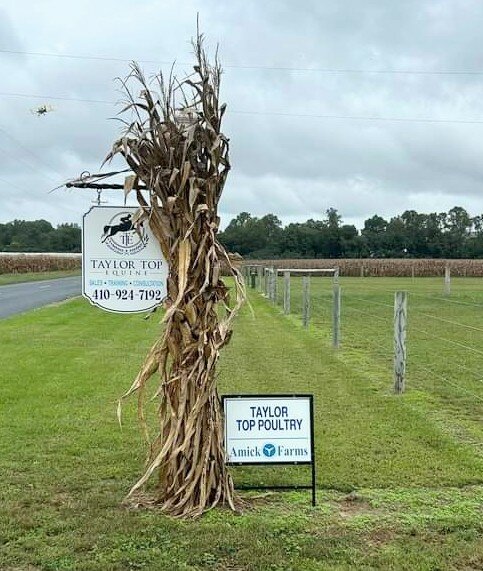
<point>293,166</point>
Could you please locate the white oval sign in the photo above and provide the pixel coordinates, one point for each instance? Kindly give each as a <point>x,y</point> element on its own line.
<point>123,269</point>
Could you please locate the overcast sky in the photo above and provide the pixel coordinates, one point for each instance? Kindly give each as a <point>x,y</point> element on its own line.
<point>364,106</point>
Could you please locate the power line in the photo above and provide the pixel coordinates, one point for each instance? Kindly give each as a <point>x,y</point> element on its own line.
<point>12,184</point>
<point>30,165</point>
<point>56,98</point>
<point>363,118</point>
<point>81,57</point>
<point>256,67</point>
<point>272,113</point>
<point>29,152</point>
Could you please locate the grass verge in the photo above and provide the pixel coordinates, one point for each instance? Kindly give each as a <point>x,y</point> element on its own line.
<point>7,279</point>
<point>396,491</point>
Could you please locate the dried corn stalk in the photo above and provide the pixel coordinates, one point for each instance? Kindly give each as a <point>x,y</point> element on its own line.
<point>175,147</point>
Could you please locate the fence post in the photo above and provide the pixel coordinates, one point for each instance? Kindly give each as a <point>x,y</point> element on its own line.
<point>271,285</point>
<point>286,292</point>
<point>275,284</point>
<point>400,317</point>
<point>335,279</point>
<point>265,282</point>
<point>362,271</point>
<point>306,300</point>
<point>336,316</point>
<point>260,278</point>
<point>253,277</point>
<point>447,281</point>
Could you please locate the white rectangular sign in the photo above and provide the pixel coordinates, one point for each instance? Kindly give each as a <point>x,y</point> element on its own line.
<point>268,429</point>
<point>123,269</point>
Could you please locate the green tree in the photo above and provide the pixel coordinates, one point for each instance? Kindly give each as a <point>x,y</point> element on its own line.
<point>243,234</point>
<point>457,230</point>
<point>373,234</point>
<point>299,240</point>
<point>351,243</point>
<point>251,236</point>
<point>66,238</point>
<point>434,225</point>
<point>333,238</point>
<point>39,236</point>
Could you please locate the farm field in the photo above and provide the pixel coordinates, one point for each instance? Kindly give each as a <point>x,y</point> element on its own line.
<point>29,262</point>
<point>400,478</point>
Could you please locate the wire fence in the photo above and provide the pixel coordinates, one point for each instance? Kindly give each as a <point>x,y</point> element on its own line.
<point>443,333</point>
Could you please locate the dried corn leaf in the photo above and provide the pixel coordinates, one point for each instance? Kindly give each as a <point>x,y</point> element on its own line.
<point>129,184</point>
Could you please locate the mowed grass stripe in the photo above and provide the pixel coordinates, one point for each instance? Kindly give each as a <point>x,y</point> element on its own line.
<point>365,435</point>
<point>66,465</point>
<point>63,369</point>
<point>61,366</point>
<point>443,358</point>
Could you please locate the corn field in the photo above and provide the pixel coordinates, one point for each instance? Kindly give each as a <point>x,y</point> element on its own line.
<point>19,263</point>
<point>382,267</point>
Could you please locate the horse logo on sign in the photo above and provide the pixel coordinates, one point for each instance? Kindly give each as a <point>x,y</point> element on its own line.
<point>122,237</point>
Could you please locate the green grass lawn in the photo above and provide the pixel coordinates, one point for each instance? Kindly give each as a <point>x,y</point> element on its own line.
<point>444,342</point>
<point>6,279</point>
<point>400,481</point>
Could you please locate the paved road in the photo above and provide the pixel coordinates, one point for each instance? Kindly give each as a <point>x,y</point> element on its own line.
<point>16,298</point>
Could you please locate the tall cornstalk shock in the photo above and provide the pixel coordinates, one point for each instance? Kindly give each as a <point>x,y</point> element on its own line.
<point>176,148</point>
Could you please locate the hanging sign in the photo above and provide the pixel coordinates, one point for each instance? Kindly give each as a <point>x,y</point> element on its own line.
<point>123,269</point>
<point>268,429</point>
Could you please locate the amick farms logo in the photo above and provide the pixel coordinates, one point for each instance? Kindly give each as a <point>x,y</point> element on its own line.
<point>269,450</point>
<point>122,237</point>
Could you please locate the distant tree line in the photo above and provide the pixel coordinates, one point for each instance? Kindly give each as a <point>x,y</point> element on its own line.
<point>452,234</point>
<point>39,236</point>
